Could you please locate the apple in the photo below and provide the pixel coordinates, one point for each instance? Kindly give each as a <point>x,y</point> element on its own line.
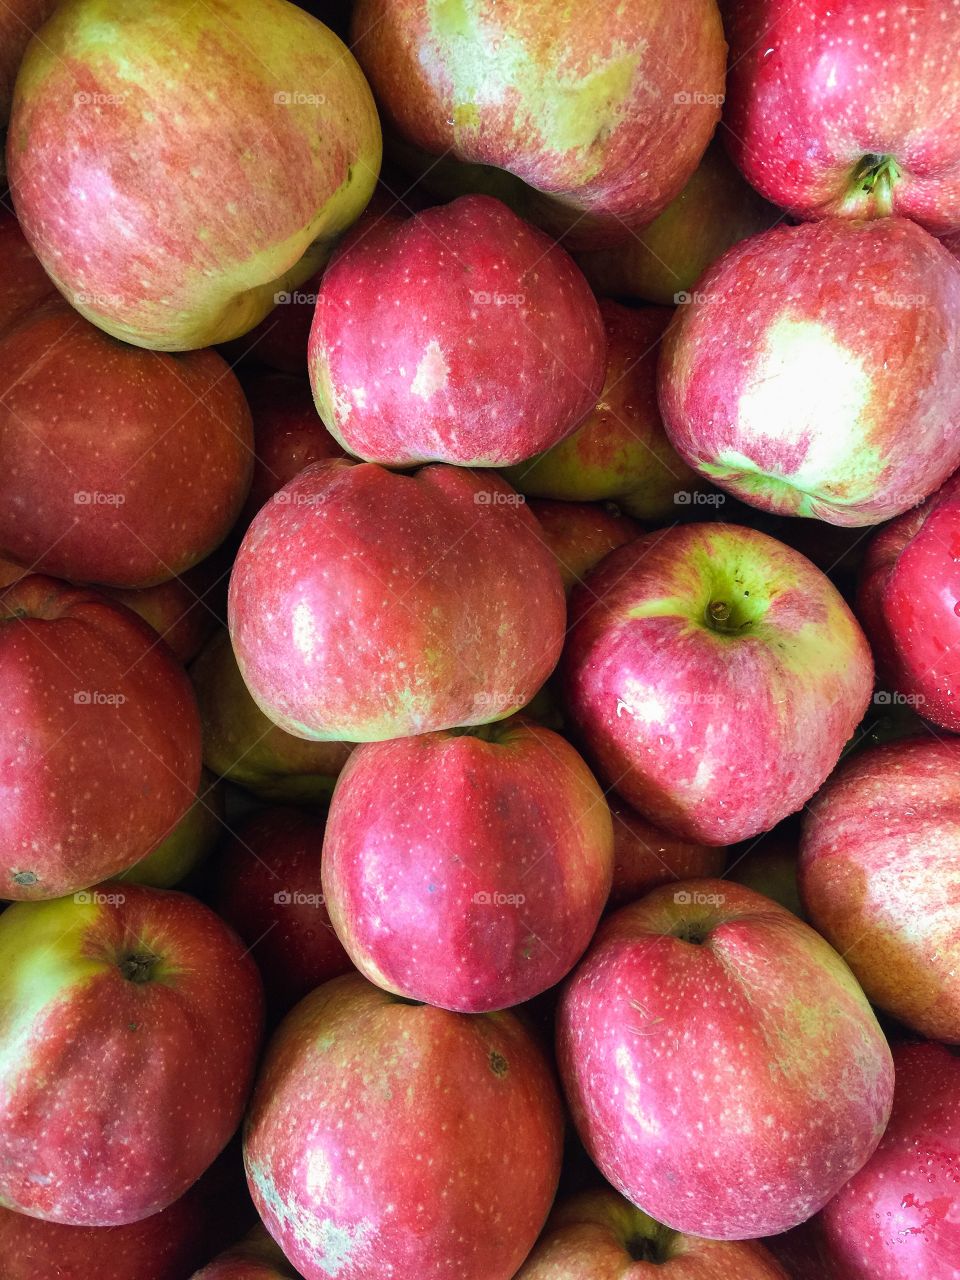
<point>25,284</point>
<point>97,439</point>
<point>168,216</point>
<point>714,676</point>
<point>188,844</point>
<point>365,605</point>
<point>279,341</point>
<point>182,610</point>
<point>267,887</point>
<point>580,534</point>
<point>597,1235</point>
<point>288,435</point>
<point>645,857</point>
<point>619,451</point>
<point>898,1216</point>
<point>459,335</point>
<point>711,1042</point>
<point>256,1257</point>
<point>880,877</point>
<point>908,603</point>
<point>128,1040</point>
<point>386,1137</point>
<point>606,118</point>
<point>847,110</point>
<point>100,742</point>
<point>816,370</point>
<point>467,869</point>
<point>243,746</point>
<point>661,262</point>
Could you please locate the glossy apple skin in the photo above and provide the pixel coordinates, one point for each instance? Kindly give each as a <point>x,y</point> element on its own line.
<point>712,730</point>
<point>25,284</point>
<point>456,1120</point>
<point>460,335</point>
<point>444,571</point>
<point>580,534</point>
<point>907,599</point>
<point>645,857</point>
<point>714,211</point>
<point>277,852</point>
<point>816,371</point>
<point>96,438</point>
<point>187,246</point>
<point>753,1061</point>
<point>256,1257</point>
<point>288,434</point>
<point>100,748</point>
<point>619,451</point>
<point>815,91</point>
<point>597,1235</point>
<point>242,745</point>
<point>880,877</point>
<point>897,1217</point>
<point>587,112</point>
<point>129,1029</point>
<point>468,872</point>
<point>188,844</point>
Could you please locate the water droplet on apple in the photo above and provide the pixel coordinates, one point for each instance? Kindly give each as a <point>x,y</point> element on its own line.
<point>956,608</point>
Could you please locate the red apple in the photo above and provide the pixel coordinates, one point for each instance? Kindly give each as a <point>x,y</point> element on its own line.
<point>711,1043</point>
<point>467,870</point>
<point>619,452</point>
<point>183,610</point>
<point>580,534</point>
<point>129,1034</point>
<point>714,676</point>
<point>816,370</point>
<point>391,1138</point>
<point>100,746</point>
<point>98,439</point>
<point>288,435</point>
<point>256,1257</point>
<point>714,211</point>
<point>897,1217</point>
<point>880,877</point>
<point>847,109</point>
<point>267,886</point>
<point>645,857</point>
<point>605,117</point>
<point>909,602</point>
<point>169,216</point>
<point>24,284</point>
<point>243,746</point>
<point>598,1235</point>
<point>460,335</point>
<point>366,605</point>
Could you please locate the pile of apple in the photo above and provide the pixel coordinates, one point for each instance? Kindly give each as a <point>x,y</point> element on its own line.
<point>480,640</point>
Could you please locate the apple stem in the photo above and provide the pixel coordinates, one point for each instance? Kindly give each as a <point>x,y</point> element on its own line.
<point>138,966</point>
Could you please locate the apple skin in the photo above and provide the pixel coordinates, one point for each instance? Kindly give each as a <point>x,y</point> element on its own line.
<point>460,335</point>
<point>580,534</point>
<point>880,877</point>
<point>907,601</point>
<point>755,1061</point>
<point>455,1120</point>
<point>278,851</point>
<point>96,437</point>
<point>816,371</point>
<point>256,1257</point>
<point>188,844</point>
<point>101,739</point>
<point>182,610</point>
<point>287,434</point>
<point>645,857</point>
<point>24,284</point>
<point>188,245</point>
<point>591,113</point>
<point>619,451</point>
<point>714,211</point>
<point>897,1217</point>
<point>242,745</point>
<point>467,871</point>
<point>848,110</point>
<point>597,1235</point>
<point>130,1020</point>
<point>443,570</point>
<point>713,675</point>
